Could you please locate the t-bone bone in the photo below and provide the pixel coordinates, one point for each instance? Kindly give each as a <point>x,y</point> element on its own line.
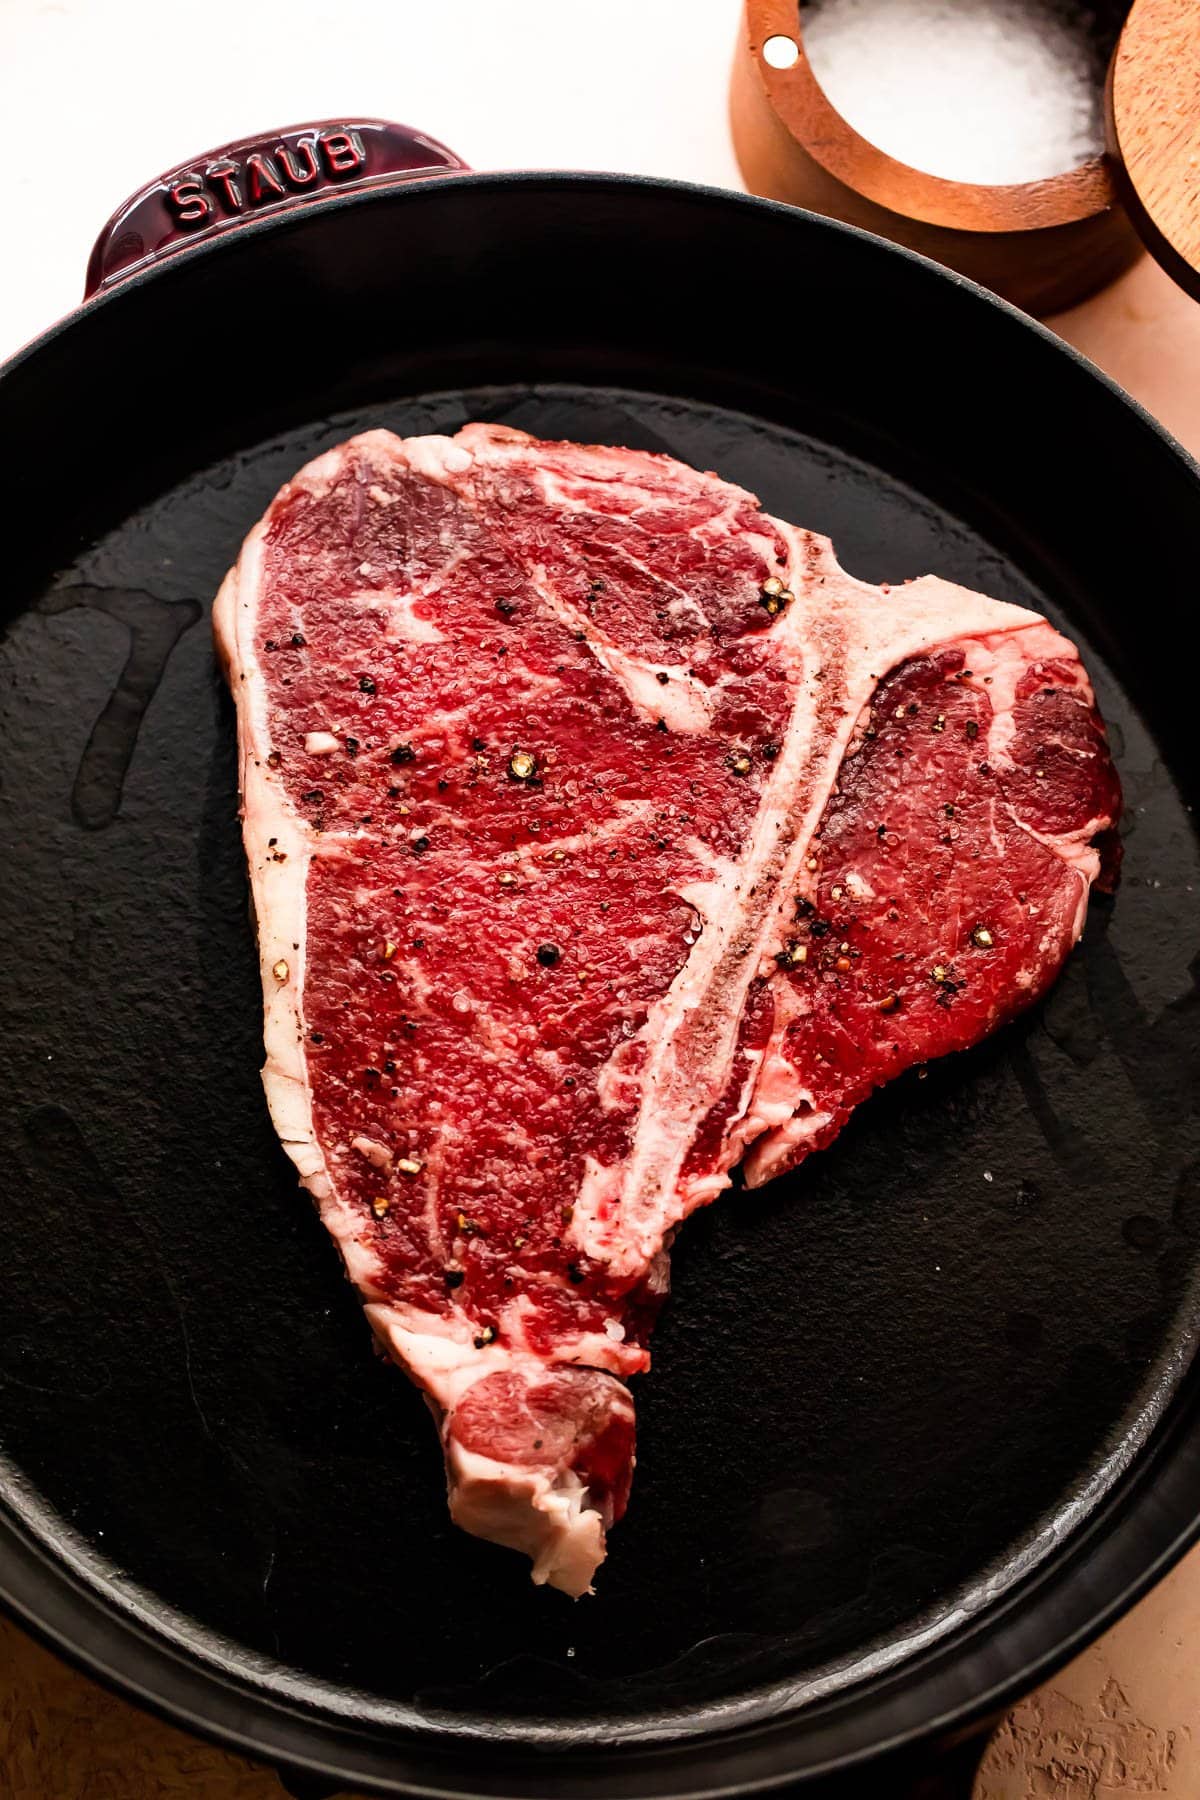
<point>603,833</point>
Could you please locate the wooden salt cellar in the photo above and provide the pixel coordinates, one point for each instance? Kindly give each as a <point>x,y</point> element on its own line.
<point>1042,244</point>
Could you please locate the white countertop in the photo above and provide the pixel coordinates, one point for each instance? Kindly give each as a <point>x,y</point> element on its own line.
<point>98,96</point>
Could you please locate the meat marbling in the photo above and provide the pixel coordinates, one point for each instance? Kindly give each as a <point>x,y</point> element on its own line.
<point>587,863</point>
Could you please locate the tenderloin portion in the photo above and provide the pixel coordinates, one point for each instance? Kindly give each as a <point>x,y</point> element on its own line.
<point>602,832</point>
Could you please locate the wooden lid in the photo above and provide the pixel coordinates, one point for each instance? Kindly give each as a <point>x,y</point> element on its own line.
<point>1154,131</point>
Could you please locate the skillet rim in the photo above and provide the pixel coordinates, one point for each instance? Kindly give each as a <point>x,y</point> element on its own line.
<point>169,265</point>
<point>52,1602</point>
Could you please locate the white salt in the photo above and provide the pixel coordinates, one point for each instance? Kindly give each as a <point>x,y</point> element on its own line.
<point>986,91</point>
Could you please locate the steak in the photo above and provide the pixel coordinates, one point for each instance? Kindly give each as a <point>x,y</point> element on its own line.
<point>603,834</point>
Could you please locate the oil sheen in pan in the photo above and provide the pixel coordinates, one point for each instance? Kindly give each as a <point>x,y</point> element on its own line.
<point>884,1386</point>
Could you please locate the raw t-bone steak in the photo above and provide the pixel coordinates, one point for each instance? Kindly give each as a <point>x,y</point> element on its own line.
<point>604,834</point>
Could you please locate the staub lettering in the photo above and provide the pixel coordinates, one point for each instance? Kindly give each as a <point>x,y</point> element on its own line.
<point>226,187</point>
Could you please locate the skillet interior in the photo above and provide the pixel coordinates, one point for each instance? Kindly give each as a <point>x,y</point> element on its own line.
<point>886,1386</point>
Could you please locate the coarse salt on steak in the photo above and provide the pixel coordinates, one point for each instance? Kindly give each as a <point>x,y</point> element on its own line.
<point>602,833</point>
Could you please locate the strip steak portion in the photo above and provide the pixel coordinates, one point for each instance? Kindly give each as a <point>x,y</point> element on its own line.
<point>602,833</point>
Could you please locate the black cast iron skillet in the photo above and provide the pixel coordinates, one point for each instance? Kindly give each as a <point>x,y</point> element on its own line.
<point>923,1416</point>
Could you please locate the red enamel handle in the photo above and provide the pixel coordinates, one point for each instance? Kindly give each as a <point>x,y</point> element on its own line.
<point>219,191</point>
